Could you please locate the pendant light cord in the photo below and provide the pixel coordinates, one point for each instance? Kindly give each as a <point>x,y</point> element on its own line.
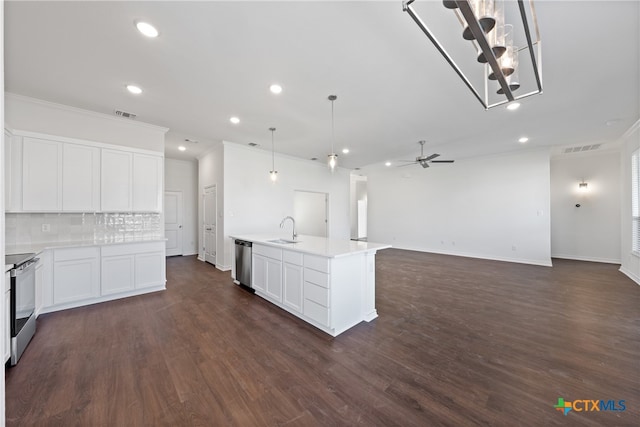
<point>332,132</point>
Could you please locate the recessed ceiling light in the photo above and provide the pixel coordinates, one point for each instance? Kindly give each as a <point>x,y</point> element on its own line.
<point>275,88</point>
<point>513,106</point>
<point>134,89</point>
<point>387,164</point>
<point>147,29</point>
<point>182,148</point>
<point>345,151</point>
<point>523,140</point>
<point>234,120</point>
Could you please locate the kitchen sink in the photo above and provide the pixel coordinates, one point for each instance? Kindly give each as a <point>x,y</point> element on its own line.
<point>283,241</point>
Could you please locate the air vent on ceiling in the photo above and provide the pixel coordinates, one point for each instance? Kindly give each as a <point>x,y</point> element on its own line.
<point>253,144</point>
<point>125,114</point>
<point>581,148</point>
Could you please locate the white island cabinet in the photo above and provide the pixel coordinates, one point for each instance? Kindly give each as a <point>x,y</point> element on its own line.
<point>328,283</point>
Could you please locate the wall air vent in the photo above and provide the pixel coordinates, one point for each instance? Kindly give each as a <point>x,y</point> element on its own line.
<point>581,148</point>
<point>253,144</point>
<point>125,114</point>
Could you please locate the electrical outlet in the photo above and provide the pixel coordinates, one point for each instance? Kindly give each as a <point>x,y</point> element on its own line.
<point>46,228</point>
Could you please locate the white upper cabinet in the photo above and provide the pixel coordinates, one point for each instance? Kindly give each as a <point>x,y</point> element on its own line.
<point>80,178</point>
<point>41,175</point>
<point>68,175</point>
<point>116,181</point>
<point>147,183</point>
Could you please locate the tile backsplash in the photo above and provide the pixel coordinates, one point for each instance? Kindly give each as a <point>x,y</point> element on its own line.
<point>28,228</point>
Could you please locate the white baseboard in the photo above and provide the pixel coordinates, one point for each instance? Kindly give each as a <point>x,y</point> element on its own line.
<point>585,258</point>
<point>631,275</point>
<point>223,267</point>
<point>200,258</point>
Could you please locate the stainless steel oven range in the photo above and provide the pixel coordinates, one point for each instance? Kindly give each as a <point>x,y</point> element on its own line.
<point>23,302</point>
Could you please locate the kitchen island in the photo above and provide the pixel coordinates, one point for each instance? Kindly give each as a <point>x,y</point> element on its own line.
<point>326,282</point>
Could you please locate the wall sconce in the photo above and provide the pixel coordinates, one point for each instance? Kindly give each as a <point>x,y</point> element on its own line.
<point>583,187</point>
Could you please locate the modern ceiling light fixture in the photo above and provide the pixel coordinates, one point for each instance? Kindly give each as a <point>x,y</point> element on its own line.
<point>147,29</point>
<point>333,157</point>
<point>494,42</point>
<point>275,88</point>
<point>583,187</point>
<point>134,89</point>
<point>182,148</point>
<point>235,120</point>
<point>273,173</point>
<point>513,106</point>
<point>523,139</point>
<point>345,151</point>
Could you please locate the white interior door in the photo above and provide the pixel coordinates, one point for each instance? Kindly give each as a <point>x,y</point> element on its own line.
<point>310,213</point>
<point>209,226</point>
<point>173,222</point>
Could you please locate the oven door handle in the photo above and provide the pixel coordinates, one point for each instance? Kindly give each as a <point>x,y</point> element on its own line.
<point>24,267</point>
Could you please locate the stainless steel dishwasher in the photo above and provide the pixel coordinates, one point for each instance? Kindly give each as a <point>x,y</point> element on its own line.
<point>243,262</point>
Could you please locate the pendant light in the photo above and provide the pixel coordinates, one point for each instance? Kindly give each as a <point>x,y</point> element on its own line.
<point>273,173</point>
<point>333,157</point>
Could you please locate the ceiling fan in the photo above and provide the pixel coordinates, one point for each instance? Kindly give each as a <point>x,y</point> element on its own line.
<point>423,160</point>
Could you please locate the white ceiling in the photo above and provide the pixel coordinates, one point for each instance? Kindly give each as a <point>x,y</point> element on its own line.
<point>214,60</point>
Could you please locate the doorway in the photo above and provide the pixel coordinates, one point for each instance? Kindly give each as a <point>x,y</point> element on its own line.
<point>310,210</point>
<point>173,222</point>
<point>209,226</point>
<point>358,208</point>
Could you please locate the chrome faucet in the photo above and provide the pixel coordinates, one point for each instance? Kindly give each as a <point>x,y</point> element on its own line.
<point>293,221</point>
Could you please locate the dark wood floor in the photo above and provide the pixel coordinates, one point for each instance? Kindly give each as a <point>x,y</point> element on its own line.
<point>458,342</point>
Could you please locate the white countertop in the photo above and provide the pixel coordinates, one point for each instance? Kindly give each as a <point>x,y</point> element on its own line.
<point>330,248</point>
<point>39,247</point>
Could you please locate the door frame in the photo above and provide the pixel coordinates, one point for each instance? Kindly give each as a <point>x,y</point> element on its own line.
<point>181,218</point>
<point>215,216</point>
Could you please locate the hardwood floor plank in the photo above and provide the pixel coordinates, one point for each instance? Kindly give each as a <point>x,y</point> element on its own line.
<point>458,342</point>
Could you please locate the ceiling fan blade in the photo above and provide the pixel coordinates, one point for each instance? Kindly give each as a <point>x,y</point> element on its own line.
<point>433,156</point>
<point>442,161</point>
<point>424,164</point>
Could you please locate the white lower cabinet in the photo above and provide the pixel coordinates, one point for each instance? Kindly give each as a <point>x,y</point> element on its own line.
<point>132,266</point>
<point>292,280</point>
<point>117,274</point>
<point>7,318</point>
<point>150,269</point>
<point>39,273</point>
<point>259,272</point>
<point>73,277</point>
<point>266,274</point>
<point>76,274</point>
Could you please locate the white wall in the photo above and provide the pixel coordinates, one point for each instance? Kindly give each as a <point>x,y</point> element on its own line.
<point>630,262</point>
<point>592,231</point>
<point>494,207</point>
<point>210,172</point>
<point>29,114</point>
<point>253,204</point>
<point>182,175</point>
<point>3,324</point>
